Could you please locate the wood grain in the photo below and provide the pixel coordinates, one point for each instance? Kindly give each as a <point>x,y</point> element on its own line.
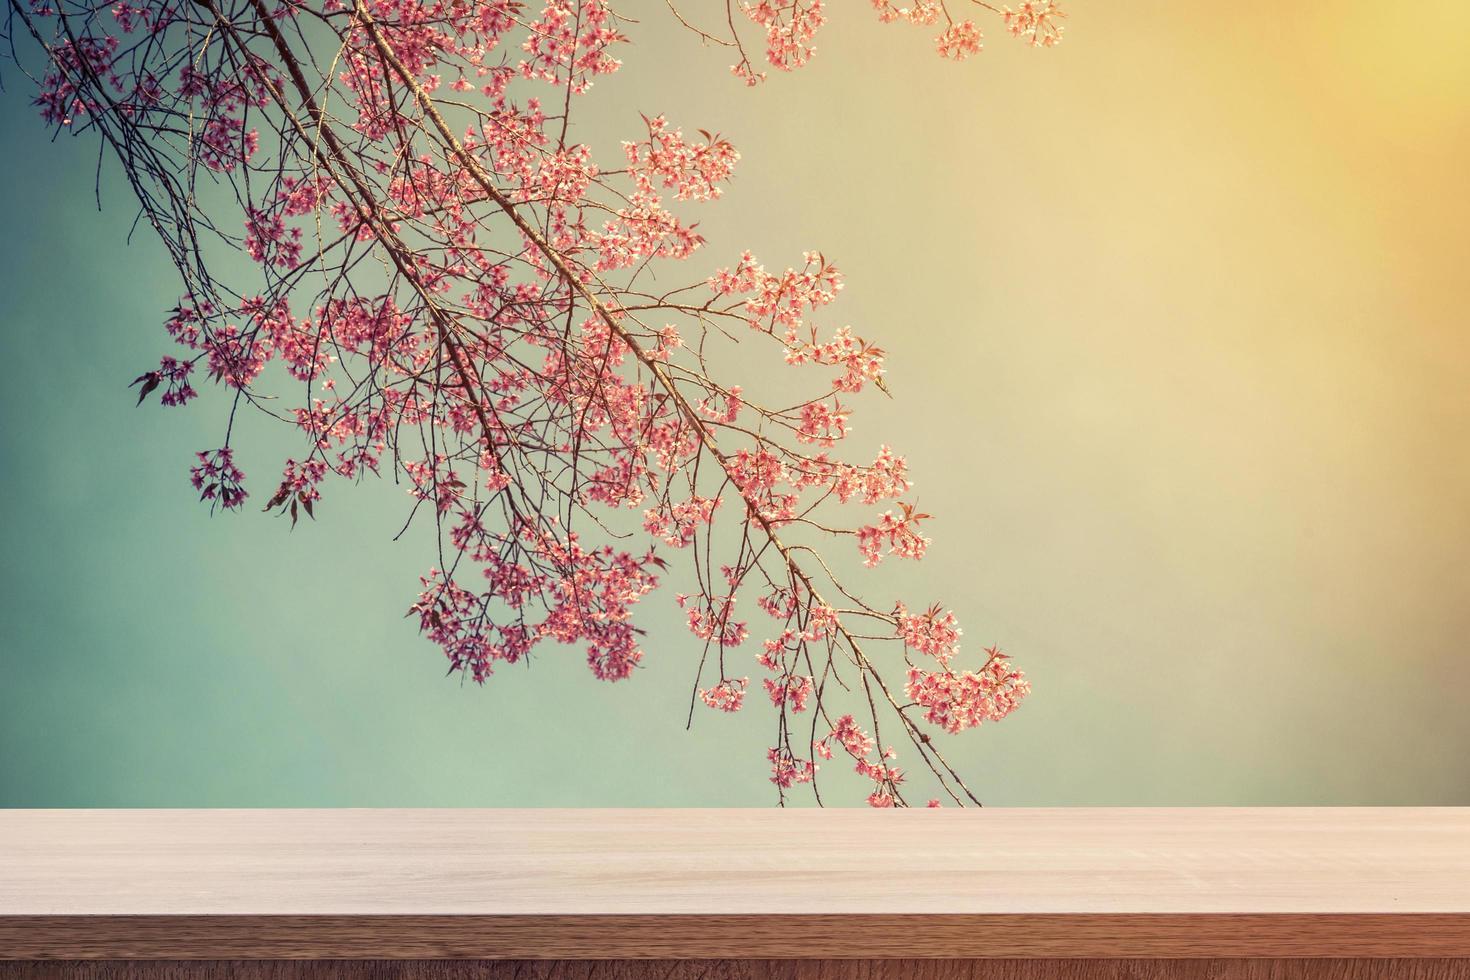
<point>711,936</point>
<point>1238,969</point>
<point>559,884</point>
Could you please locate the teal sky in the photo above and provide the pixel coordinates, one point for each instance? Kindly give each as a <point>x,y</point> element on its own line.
<point>1176,319</point>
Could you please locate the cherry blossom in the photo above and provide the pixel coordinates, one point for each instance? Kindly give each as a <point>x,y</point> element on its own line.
<point>447,290</point>
<point>956,700</point>
<point>1035,21</point>
<point>727,695</point>
<point>791,26</point>
<point>959,40</point>
<point>218,479</point>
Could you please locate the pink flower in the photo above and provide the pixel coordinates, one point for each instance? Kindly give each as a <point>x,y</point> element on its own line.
<point>791,689</point>
<point>728,695</point>
<point>1035,22</point>
<point>218,479</point>
<point>959,41</point>
<point>787,770</point>
<point>956,701</point>
<point>860,746</point>
<point>449,291</point>
<point>790,26</point>
<point>900,535</point>
<point>694,170</point>
<point>930,633</point>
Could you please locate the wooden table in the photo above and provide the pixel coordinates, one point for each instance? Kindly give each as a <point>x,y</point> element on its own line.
<point>1066,893</point>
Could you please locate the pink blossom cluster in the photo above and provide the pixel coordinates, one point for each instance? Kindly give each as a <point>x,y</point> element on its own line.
<point>860,746</point>
<point>448,290</point>
<point>218,479</point>
<point>173,375</point>
<point>788,770</point>
<point>694,170</point>
<point>790,26</point>
<point>709,619</point>
<point>298,488</point>
<point>930,633</point>
<point>268,241</point>
<point>677,524</point>
<point>956,700</point>
<point>790,689</point>
<point>1035,22</point>
<point>900,535</point>
<point>728,695</point>
<point>62,100</point>
<point>921,12</point>
<point>588,603</point>
<point>959,40</point>
<point>569,44</point>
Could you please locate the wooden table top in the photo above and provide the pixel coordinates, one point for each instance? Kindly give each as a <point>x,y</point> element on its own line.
<point>174,884</point>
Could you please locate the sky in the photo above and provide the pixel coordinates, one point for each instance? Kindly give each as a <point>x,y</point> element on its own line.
<point>1177,333</point>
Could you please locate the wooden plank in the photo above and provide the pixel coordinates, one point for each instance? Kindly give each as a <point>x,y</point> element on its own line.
<point>1236,969</point>
<point>552,884</point>
<point>487,862</point>
<point>713,936</point>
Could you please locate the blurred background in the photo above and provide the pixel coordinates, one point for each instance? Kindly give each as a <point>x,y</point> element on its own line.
<point>1179,342</point>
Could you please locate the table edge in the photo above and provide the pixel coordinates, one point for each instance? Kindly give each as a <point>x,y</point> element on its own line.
<point>706,936</point>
